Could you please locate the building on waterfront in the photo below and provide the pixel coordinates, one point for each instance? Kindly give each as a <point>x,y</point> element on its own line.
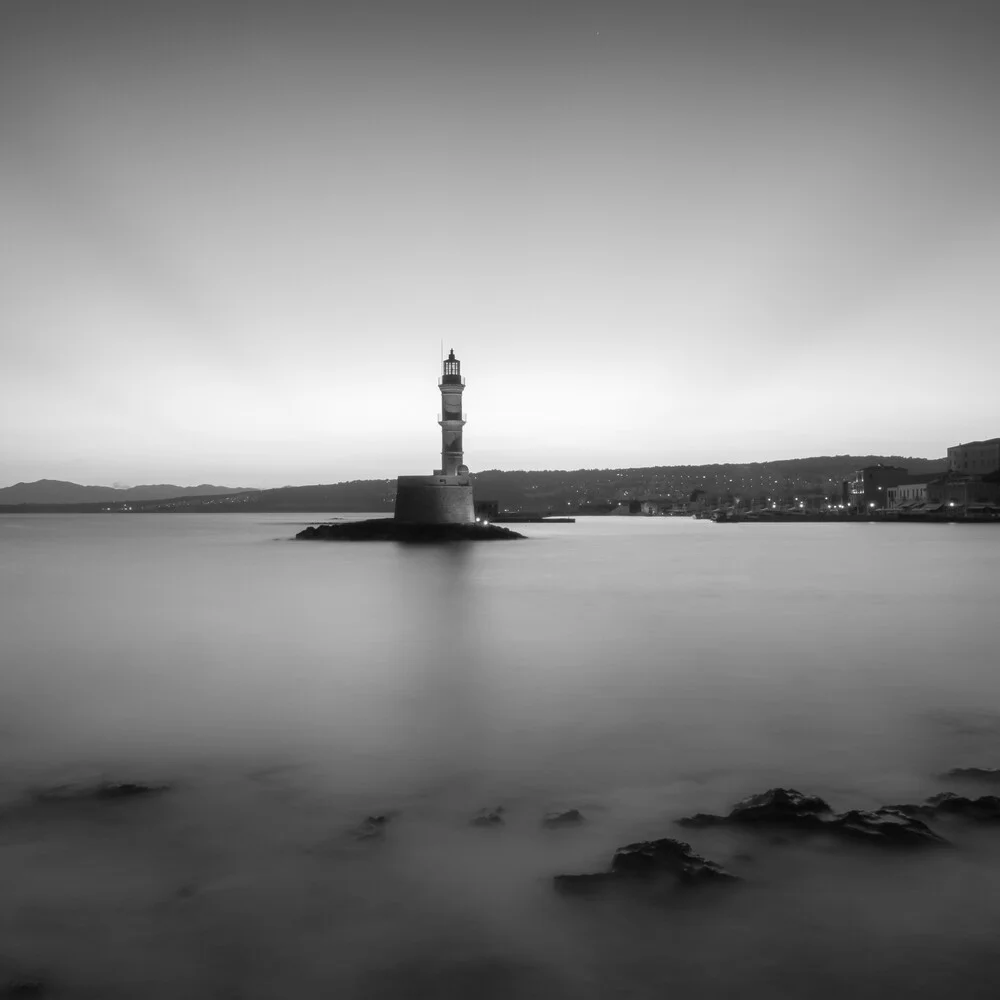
<point>965,491</point>
<point>905,495</point>
<point>976,458</point>
<point>972,479</point>
<point>866,488</point>
<point>446,496</point>
<point>654,507</point>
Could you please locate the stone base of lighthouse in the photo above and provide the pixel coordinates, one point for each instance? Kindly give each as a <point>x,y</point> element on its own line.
<point>434,500</point>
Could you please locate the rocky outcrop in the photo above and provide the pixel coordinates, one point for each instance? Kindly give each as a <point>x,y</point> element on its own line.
<point>556,820</point>
<point>387,529</point>
<point>25,988</point>
<point>371,828</point>
<point>488,817</point>
<point>988,775</point>
<point>786,808</point>
<point>102,791</point>
<point>985,809</point>
<point>652,858</point>
<point>650,861</point>
<point>776,807</point>
<point>885,827</point>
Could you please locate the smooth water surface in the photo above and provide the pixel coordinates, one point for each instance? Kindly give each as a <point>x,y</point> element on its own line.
<point>638,669</point>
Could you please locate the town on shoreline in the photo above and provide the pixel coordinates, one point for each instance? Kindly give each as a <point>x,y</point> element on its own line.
<point>968,489</point>
<point>963,486</point>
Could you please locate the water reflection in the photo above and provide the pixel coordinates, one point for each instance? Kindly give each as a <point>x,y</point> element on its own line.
<point>436,627</point>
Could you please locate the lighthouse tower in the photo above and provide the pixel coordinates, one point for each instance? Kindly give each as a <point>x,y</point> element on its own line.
<point>452,385</point>
<point>445,497</point>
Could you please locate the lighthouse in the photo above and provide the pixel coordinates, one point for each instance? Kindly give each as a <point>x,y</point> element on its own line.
<point>446,496</point>
<point>452,385</point>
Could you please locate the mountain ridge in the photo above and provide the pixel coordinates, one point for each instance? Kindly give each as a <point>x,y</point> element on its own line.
<point>54,491</point>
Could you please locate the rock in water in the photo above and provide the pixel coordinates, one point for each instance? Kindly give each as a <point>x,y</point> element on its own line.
<point>555,820</point>
<point>885,827</point>
<point>127,790</point>
<point>653,858</point>
<point>985,809</point>
<point>488,817</point>
<point>25,988</point>
<point>775,807</point>
<point>778,805</point>
<point>650,861</point>
<point>990,775</point>
<point>104,790</point>
<point>372,828</point>
<point>790,809</point>
<point>388,529</point>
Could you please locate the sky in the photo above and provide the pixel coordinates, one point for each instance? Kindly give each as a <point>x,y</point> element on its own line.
<point>237,235</point>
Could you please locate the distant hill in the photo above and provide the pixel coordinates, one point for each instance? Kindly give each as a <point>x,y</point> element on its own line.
<point>542,491</point>
<point>53,491</point>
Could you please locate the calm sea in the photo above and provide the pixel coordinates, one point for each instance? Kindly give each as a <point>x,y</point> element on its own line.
<point>636,669</point>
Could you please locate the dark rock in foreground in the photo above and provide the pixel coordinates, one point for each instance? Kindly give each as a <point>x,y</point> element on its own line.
<point>985,809</point>
<point>103,791</point>
<point>387,529</point>
<point>372,828</point>
<point>488,817</point>
<point>787,808</point>
<point>650,861</point>
<point>990,775</point>
<point>887,826</point>
<point>25,988</point>
<point>571,817</point>
<point>775,807</point>
<point>650,858</point>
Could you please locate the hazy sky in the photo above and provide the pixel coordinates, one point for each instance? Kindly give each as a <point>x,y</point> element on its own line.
<point>235,234</point>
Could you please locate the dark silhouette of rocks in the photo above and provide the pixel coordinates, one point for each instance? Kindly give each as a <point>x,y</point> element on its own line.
<point>556,820</point>
<point>25,988</point>
<point>990,775</point>
<point>371,828</point>
<point>885,827</point>
<point>667,857</point>
<point>985,809</point>
<point>387,529</point>
<point>102,791</point>
<point>650,861</point>
<point>488,817</point>
<point>775,807</point>
<point>791,809</point>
